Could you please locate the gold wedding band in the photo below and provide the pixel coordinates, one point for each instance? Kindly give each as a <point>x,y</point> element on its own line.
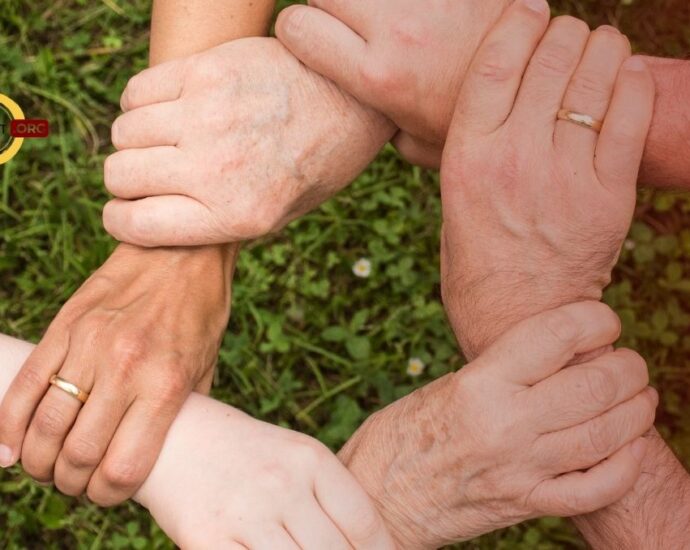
<point>68,387</point>
<point>580,119</point>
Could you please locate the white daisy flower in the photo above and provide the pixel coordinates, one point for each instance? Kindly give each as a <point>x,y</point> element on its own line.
<point>362,268</point>
<point>415,366</point>
<point>629,244</point>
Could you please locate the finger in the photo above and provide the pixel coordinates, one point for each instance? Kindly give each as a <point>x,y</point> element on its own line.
<point>590,91</point>
<point>548,74</point>
<point>317,38</point>
<point>581,392</point>
<point>150,126</point>
<point>157,84</point>
<point>139,173</point>
<point>134,448</point>
<point>587,444</point>
<point>493,79</point>
<point>584,492</point>
<point>624,134</point>
<point>418,152</point>
<point>263,537</point>
<point>542,345</point>
<point>53,420</point>
<point>310,527</point>
<point>89,438</point>
<point>353,13</point>
<point>170,220</point>
<point>350,508</point>
<point>28,388</point>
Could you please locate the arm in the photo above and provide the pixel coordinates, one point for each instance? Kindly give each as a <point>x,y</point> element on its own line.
<point>157,316</point>
<point>667,157</point>
<point>237,495</point>
<point>486,291</point>
<point>404,72</point>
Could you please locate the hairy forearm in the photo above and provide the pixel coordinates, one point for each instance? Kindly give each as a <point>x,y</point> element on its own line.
<point>666,161</point>
<point>655,515</point>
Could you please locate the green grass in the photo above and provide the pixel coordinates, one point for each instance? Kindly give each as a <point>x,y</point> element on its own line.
<point>282,359</point>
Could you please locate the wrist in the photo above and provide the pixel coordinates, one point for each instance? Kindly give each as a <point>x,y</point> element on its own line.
<point>482,309</point>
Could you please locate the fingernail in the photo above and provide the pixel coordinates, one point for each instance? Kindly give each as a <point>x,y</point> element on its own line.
<point>540,6</point>
<point>635,64</point>
<point>6,456</point>
<point>639,449</point>
<point>609,28</point>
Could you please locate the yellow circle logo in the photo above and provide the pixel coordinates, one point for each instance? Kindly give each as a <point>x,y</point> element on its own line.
<point>9,144</point>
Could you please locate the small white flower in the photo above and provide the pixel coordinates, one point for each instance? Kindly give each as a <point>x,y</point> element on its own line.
<point>362,268</point>
<point>415,366</point>
<point>629,244</point>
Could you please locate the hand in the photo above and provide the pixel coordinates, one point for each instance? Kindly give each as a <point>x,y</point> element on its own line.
<point>405,58</point>
<point>231,144</point>
<point>536,210</point>
<point>508,437</point>
<point>139,335</point>
<point>225,480</point>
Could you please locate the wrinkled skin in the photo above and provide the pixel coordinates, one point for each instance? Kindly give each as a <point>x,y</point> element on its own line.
<point>231,144</point>
<point>507,437</point>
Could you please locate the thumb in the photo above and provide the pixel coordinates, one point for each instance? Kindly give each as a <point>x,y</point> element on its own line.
<point>542,345</point>
<point>317,38</point>
<point>165,220</point>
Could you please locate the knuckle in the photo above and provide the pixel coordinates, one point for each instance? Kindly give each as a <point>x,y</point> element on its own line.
<point>130,349</point>
<point>50,421</point>
<point>601,386</point>
<point>174,385</point>
<point>122,474</point>
<point>570,25</point>
<point>494,65</point>
<point>600,437</point>
<point>554,59</point>
<point>30,378</point>
<point>82,453</point>
<point>380,77</point>
<point>588,84</point>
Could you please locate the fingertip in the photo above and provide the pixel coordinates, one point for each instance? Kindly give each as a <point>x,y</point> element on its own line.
<point>8,457</point>
<point>540,7</point>
<point>638,449</point>
<point>290,22</point>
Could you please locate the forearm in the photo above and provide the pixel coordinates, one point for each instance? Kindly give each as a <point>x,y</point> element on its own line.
<point>185,27</point>
<point>666,161</point>
<point>655,515</point>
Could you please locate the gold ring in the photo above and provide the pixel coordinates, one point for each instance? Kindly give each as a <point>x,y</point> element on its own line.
<point>580,119</point>
<point>68,387</point>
